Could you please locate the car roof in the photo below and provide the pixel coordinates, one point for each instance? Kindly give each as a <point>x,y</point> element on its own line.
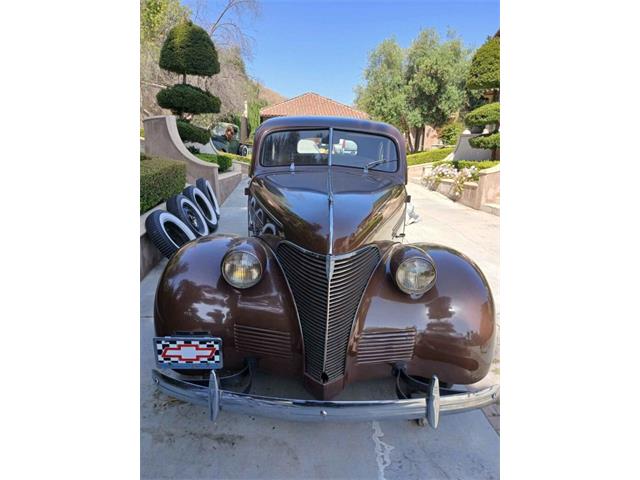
<point>346,123</point>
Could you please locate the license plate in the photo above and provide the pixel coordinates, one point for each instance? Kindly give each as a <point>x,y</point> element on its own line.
<point>188,352</point>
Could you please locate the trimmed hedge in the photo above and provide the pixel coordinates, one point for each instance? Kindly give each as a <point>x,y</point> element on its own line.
<point>189,50</point>
<point>460,164</point>
<point>490,141</point>
<point>484,72</point>
<point>239,158</point>
<point>428,157</point>
<point>450,133</point>
<point>182,98</point>
<point>224,161</point>
<point>484,115</point>
<point>159,179</point>
<point>191,133</point>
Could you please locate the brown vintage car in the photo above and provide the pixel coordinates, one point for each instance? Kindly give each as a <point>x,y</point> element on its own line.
<point>324,289</point>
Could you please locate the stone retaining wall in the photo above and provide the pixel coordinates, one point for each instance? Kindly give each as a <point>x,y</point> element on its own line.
<point>474,194</point>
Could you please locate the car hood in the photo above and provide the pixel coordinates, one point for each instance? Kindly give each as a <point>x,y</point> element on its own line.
<point>364,207</point>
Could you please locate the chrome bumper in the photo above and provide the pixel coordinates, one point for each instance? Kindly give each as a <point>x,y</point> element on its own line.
<point>431,407</point>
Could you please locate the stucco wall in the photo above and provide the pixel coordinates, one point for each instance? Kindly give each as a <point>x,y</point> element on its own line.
<point>162,140</point>
<point>464,151</point>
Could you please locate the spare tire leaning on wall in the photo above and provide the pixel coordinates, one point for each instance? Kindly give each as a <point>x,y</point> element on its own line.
<point>201,200</point>
<point>167,232</point>
<point>189,213</point>
<point>204,185</point>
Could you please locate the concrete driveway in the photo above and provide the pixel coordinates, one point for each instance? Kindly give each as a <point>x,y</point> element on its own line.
<point>178,441</point>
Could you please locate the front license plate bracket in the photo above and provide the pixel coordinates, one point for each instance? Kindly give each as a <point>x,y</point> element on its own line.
<point>188,352</point>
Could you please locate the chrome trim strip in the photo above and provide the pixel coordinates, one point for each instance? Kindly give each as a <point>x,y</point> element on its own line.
<point>317,410</point>
<point>267,211</point>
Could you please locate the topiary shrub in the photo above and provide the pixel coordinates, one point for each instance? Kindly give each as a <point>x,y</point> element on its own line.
<point>490,141</point>
<point>188,50</point>
<point>224,162</point>
<point>484,72</point>
<point>159,179</point>
<point>484,115</point>
<point>450,133</point>
<point>191,133</point>
<point>183,98</point>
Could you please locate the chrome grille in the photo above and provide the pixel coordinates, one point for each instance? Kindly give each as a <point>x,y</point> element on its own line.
<point>263,342</point>
<point>386,346</point>
<point>326,308</point>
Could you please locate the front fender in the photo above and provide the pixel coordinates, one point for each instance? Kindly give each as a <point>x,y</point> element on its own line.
<point>192,296</point>
<point>452,325</point>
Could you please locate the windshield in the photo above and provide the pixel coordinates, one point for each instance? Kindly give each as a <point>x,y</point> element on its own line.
<point>311,147</point>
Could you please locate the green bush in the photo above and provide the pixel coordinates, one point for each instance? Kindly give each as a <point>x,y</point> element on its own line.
<point>490,141</point>
<point>239,158</point>
<point>484,72</point>
<point>450,133</point>
<point>189,50</point>
<point>483,165</point>
<point>428,157</point>
<point>159,179</point>
<point>484,115</point>
<point>182,98</point>
<point>224,161</point>
<point>191,133</point>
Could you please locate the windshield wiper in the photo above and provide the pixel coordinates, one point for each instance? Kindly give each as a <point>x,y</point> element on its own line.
<point>375,164</point>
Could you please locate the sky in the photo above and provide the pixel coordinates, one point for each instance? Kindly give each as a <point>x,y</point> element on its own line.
<point>322,46</point>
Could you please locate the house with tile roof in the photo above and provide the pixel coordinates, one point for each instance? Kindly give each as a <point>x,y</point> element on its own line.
<point>310,104</point>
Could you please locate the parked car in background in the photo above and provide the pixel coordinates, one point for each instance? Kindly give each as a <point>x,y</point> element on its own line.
<point>233,145</point>
<point>324,289</point>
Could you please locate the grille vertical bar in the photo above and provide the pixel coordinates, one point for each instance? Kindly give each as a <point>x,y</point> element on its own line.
<point>326,308</point>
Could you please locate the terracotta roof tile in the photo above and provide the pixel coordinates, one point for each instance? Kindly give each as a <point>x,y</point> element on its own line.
<point>311,104</point>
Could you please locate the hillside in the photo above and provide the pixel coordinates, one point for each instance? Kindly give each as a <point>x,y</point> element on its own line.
<point>232,85</point>
<point>270,96</point>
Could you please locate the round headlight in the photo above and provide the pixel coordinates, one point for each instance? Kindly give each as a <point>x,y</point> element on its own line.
<point>241,269</point>
<point>415,275</point>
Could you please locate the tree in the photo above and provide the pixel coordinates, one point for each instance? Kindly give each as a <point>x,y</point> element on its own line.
<point>384,95</point>
<point>485,67</point>
<point>436,74</point>
<point>484,75</point>
<point>424,85</point>
<point>226,27</point>
<point>188,49</point>
<point>157,18</point>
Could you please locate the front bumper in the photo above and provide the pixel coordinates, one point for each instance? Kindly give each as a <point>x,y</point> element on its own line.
<point>215,400</point>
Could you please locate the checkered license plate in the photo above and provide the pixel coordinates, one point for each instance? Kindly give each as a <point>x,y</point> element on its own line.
<point>188,352</point>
